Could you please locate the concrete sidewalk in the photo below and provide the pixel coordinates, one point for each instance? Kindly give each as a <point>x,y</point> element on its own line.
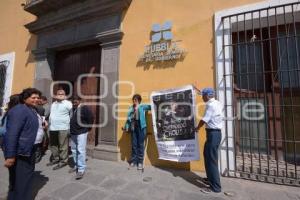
<point>113,181</point>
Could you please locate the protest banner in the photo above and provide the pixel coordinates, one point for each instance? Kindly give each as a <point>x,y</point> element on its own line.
<point>173,113</point>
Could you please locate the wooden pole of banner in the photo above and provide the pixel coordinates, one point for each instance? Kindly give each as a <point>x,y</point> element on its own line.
<point>145,151</point>
<point>148,178</point>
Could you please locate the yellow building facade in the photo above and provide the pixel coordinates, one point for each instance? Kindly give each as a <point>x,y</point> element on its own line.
<point>16,38</point>
<point>39,39</point>
<point>193,24</point>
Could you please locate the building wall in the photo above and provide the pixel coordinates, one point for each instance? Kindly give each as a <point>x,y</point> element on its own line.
<point>193,23</point>
<point>14,37</point>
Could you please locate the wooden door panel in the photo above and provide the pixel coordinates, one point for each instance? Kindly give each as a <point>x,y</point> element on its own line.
<point>72,63</point>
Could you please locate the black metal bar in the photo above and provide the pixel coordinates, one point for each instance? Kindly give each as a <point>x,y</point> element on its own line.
<point>271,38</point>
<point>297,62</point>
<point>246,93</point>
<point>240,94</point>
<point>278,140</point>
<point>225,96</point>
<point>232,97</point>
<point>248,87</point>
<point>256,87</point>
<point>264,83</point>
<point>293,70</point>
<point>273,94</point>
<point>260,9</point>
<point>281,91</point>
<point>289,77</point>
<point>287,105</point>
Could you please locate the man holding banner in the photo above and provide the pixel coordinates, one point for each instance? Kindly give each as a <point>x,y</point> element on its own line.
<point>213,119</point>
<point>173,114</point>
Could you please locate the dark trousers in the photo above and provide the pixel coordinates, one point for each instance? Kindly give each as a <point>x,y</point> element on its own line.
<point>20,178</point>
<point>137,145</point>
<point>1,142</point>
<point>213,139</point>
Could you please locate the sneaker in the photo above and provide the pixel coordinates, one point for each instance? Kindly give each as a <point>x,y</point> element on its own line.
<point>140,166</point>
<point>206,190</point>
<point>79,175</point>
<point>132,164</point>
<point>72,170</point>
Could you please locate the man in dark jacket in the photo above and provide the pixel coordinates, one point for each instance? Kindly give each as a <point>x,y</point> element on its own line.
<point>80,124</point>
<point>22,126</point>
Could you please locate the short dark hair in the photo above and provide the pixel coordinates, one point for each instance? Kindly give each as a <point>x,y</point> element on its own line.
<point>78,98</point>
<point>13,101</point>
<point>44,98</point>
<point>138,97</point>
<point>26,93</point>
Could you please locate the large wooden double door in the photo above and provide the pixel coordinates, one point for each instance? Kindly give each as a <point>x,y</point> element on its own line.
<point>78,67</point>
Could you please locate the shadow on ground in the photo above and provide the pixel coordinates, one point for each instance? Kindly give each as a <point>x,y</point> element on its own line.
<point>38,182</point>
<point>188,176</point>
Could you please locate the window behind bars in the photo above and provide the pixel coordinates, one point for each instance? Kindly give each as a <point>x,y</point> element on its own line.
<point>3,68</point>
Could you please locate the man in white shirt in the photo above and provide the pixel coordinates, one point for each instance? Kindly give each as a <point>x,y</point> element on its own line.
<point>213,119</point>
<point>59,125</point>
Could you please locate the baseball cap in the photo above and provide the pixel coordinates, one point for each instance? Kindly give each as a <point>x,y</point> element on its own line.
<point>208,92</point>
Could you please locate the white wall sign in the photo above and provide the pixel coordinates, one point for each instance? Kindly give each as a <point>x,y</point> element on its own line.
<point>162,48</point>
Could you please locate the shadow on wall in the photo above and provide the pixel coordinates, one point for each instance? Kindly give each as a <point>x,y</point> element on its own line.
<point>125,146</point>
<point>152,151</point>
<point>31,45</point>
<point>125,141</point>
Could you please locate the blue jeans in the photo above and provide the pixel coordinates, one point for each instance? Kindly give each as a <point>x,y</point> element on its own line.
<point>213,139</point>
<point>137,145</point>
<point>78,148</point>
